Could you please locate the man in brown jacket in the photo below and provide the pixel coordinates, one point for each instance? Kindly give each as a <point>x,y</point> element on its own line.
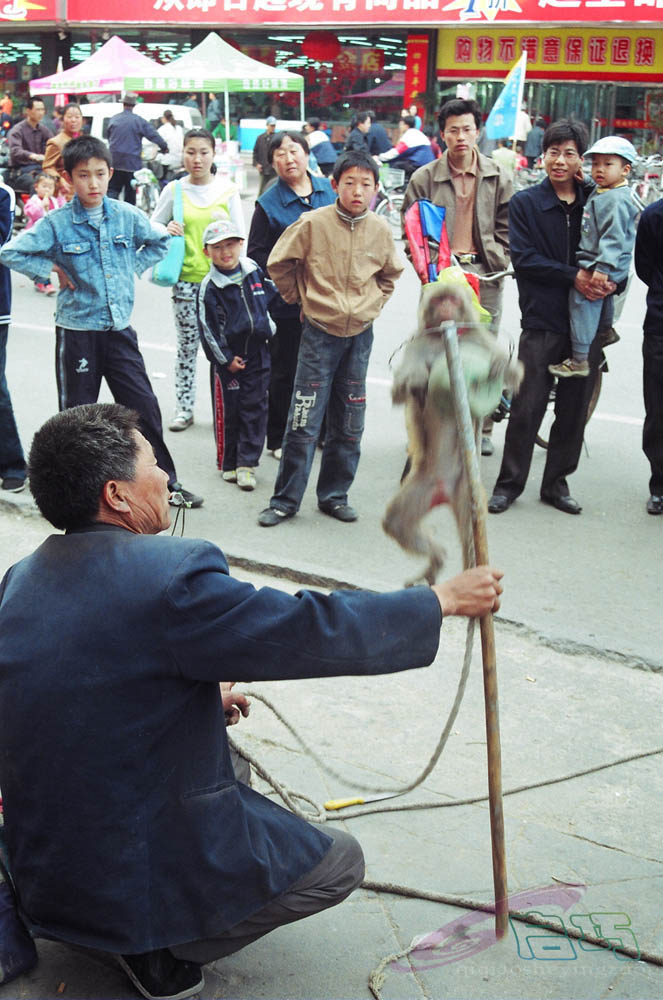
<point>474,191</point>
<point>339,262</point>
<point>72,126</point>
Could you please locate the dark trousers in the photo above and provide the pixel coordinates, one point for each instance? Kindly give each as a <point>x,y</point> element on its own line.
<point>84,357</point>
<point>12,461</point>
<point>537,350</point>
<point>330,882</point>
<point>239,406</point>
<point>331,377</point>
<point>652,432</point>
<point>121,181</point>
<point>284,349</point>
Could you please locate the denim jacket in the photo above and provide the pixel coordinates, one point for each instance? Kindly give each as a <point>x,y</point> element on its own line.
<point>100,259</point>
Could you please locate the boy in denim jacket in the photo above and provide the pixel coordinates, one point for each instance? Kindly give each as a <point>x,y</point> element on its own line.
<point>95,245</point>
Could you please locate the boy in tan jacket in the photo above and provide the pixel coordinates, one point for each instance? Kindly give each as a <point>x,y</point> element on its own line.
<point>339,262</point>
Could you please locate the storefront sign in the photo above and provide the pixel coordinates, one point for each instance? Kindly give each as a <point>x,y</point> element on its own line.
<point>416,71</point>
<point>553,53</point>
<point>27,10</point>
<point>336,12</point>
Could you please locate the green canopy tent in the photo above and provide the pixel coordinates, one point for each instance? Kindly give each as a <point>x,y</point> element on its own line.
<point>214,65</point>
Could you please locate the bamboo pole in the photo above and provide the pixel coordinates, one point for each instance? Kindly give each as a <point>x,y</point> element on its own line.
<point>467,441</point>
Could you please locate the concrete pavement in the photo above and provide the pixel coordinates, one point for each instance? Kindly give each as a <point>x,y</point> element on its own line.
<point>569,700</point>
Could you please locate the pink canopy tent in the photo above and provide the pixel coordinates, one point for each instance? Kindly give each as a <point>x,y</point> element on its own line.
<point>390,88</point>
<point>105,71</point>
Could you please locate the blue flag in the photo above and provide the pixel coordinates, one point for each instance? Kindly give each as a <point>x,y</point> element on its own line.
<point>501,122</point>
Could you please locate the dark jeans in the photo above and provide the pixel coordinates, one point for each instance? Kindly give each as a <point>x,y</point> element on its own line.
<point>121,181</point>
<point>84,357</point>
<point>239,406</point>
<point>284,349</point>
<point>331,376</point>
<point>537,350</point>
<point>12,460</point>
<point>330,882</point>
<point>652,432</point>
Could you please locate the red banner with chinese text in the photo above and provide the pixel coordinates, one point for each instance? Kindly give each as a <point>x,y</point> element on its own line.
<point>416,71</point>
<point>336,12</point>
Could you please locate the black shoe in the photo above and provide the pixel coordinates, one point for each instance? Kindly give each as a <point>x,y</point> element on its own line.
<point>341,511</point>
<point>486,446</point>
<point>498,503</point>
<point>270,516</point>
<point>183,498</point>
<point>158,975</point>
<point>655,504</point>
<point>12,484</point>
<point>566,504</point>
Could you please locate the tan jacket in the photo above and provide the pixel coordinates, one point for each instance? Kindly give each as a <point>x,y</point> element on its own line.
<point>490,228</point>
<point>54,164</point>
<point>341,270</point>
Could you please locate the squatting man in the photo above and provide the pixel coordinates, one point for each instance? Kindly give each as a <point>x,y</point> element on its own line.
<point>136,837</point>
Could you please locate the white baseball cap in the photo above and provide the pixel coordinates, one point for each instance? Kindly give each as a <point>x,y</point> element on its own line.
<point>221,229</point>
<point>616,145</point>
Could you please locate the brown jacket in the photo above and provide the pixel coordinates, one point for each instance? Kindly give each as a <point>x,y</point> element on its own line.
<point>342,270</point>
<point>490,229</point>
<point>54,164</point>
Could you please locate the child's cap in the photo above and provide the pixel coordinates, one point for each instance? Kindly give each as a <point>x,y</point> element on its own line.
<point>616,145</point>
<point>270,120</point>
<point>222,229</point>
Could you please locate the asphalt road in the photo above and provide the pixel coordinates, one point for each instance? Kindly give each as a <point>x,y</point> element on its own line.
<point>591,580</point>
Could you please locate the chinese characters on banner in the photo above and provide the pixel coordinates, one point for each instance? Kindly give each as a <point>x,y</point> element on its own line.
<point>553,53</point>
<point>408,13</point>
<point>416,72</point>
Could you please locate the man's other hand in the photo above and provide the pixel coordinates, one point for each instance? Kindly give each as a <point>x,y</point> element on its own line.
<point>234,705</point>
<point>473,593</point>
<point>583,282</point>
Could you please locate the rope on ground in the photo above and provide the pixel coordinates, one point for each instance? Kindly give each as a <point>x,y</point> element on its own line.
<point>377,977</point>
<point>320,815</point>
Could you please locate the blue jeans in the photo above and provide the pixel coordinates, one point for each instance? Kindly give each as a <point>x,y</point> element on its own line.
<point>331,377</point>
<point>587,318</point>
<point>12,460</point>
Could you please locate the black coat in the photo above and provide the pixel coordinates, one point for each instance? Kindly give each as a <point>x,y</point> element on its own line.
<point>649,265</point>
<point>126,828</point>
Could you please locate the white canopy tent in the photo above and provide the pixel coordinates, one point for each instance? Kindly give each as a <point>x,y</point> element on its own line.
<point>216,66</point>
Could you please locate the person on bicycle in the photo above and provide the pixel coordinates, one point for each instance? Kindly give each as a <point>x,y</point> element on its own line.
<point>544,233</point>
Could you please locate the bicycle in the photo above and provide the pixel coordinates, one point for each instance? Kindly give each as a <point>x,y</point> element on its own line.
<point>389,198</point>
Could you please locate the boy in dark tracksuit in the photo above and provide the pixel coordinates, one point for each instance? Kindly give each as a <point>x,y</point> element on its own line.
<point>234,329</point>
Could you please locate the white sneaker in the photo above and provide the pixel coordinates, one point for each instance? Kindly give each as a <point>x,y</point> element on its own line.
<point>180,421</point>
<point>230,476</point>
<point>276,453</point>
<point>246,479</point>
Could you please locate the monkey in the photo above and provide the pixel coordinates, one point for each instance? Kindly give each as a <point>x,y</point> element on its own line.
<point>436,473</point>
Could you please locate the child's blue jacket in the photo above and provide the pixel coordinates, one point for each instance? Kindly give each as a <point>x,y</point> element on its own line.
<point>233,318</point>
<point>101,259</point>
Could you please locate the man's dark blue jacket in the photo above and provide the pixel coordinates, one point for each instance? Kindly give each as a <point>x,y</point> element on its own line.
<point>126,828</point>
<point>649,265</point>
<point>543,240</point>
<point>125,133</point>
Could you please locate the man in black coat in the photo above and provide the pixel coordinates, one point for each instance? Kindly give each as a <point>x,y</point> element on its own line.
<point>544,233</point>
<point>126,827</point>
<point>649,268</point>
<point>359,129</point>
<point>378,139</point>
<point>125,139</point>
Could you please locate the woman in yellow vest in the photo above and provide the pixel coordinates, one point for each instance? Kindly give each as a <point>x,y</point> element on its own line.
<point>205,197</point>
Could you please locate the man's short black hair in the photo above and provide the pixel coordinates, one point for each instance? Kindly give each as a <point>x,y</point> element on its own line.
<point>278,137</point>
<point>408,120</point>
<point>74,454</point>
<point>458,107</point>
<point>31,101</point>
<point>355,158</point>
<point>314,123</point>
<point>82,149</point>
<point>566,130</point>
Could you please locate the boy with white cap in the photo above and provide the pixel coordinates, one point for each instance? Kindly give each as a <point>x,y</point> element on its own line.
<point>234,329</point>
<point>606,245</point>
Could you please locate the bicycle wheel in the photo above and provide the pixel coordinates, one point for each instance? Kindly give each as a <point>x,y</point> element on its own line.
<point>544,430</point>
<point>390,209</point>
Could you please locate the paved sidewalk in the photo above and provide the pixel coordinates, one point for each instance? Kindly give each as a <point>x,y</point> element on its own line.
<point>586,846</point>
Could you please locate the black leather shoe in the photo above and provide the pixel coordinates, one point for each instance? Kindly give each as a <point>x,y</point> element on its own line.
<point>498,503</point>
<point>655,504</point>
<point>341,511</point>
<point>270,516</point>
<point>566,504</point>
<point>486,446</point>
<point>158,975</point>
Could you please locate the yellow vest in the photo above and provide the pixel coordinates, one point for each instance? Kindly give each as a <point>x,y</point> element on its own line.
<point>196,219</point>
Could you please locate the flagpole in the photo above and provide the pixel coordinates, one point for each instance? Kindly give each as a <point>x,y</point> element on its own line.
<point>521,90</point>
